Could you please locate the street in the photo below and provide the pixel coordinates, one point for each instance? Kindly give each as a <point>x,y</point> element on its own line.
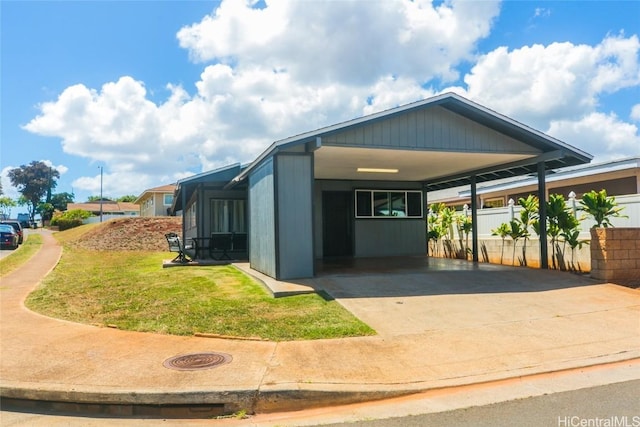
<point>597,396</point>
<point>609,405</point>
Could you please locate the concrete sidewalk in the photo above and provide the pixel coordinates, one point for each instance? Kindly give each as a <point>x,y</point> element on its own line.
<point>50,360</point>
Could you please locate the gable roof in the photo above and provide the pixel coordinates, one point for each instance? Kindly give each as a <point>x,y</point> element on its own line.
<point>164,189</point>
<point>108,206</point>
<point>544,148</point>
<point>217,177</point>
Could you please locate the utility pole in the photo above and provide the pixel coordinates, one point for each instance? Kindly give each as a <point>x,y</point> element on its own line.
<point>100,193</point>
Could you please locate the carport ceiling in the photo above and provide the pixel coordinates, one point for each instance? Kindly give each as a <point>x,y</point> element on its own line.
<point>413,165</point>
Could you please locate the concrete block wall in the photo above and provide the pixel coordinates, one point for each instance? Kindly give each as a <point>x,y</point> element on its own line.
<point>615,254</point>
<point>491,250</point>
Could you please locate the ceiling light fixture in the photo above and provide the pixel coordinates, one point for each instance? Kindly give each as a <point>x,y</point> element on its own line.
<point>377,170</point>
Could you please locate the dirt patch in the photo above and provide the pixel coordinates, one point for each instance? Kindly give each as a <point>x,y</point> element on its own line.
<point>131,234</point>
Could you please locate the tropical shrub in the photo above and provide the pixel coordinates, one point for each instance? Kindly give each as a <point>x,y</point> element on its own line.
<point>69,219</point>
<point>600,207</point>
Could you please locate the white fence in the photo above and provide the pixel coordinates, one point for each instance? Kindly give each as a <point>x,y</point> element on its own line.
<point>490,219</point>
<point>106,217</point>
<point>496,250</point>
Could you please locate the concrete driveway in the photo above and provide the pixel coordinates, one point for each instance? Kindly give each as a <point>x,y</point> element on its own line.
<point>414,295</point>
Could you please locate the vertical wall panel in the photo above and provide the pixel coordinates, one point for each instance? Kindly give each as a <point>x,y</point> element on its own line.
<point>262,249</point>
<point>431,128</point>
<point>390,237</point>
<point>295,216</point>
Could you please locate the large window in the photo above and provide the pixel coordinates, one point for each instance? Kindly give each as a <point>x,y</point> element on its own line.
<point>228,216</point>
<point>388,204</point>
<point>167,199</point>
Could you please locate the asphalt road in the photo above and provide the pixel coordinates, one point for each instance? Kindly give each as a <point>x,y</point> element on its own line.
<point>614,405</point>
<point>586,399</point>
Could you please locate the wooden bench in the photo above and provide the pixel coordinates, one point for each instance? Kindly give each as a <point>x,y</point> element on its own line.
<point>175,245</point>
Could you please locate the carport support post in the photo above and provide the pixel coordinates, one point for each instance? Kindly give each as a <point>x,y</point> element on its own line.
<point>474,219</point>
<point>542,213</point>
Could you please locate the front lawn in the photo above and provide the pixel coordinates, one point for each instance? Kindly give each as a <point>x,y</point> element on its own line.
<point>130,290</point>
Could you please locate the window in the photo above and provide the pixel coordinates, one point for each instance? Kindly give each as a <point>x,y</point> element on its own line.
<point>228,216</point>
<point>388,204</point>
<point>496,202</point>
<point>168,199</point>
<point>190,217</point>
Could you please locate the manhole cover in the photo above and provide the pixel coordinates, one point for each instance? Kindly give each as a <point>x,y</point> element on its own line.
<point>197,361</point>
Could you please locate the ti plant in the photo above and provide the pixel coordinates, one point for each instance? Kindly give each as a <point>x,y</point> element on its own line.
<point>502,231</point>
<point>601,207</point>
<point>528,218</point>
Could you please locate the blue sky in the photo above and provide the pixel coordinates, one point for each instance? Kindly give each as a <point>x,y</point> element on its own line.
<point>153,91</point>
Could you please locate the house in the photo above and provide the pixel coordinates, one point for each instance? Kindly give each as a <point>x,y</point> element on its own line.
<point>156,201</point>
<point>358,188</point>
<point>618,177</point>
<point>107,208</point>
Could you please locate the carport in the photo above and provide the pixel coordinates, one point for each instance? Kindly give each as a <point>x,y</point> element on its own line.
<point>391,160</point>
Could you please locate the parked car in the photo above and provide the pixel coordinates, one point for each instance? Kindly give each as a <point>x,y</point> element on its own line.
<point>8,237</point>
<point>17,227</point>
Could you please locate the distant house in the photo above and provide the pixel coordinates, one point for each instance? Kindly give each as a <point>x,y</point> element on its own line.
<point>618,177</point>
<point>109,208</point>
<point>156,201</point>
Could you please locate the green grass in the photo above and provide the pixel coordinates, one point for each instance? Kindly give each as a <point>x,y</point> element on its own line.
<point>27,249</point>
<point>131,291</point>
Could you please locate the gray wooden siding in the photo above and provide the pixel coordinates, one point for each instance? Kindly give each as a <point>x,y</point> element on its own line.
<point>262,238</point>
<point>390,237</point>
<point>368,233</point>
<point>429,129</point>
<point>295,216</point>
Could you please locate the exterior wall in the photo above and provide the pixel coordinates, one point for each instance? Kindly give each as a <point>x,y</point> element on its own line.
<point>428,129</point>
<point>295,216</point>
<point>494,251</point>
<point>153,205</point>
<point>262,237</point>
<point>615,254</point>
<point>389,237</point>
<point>375,237</point>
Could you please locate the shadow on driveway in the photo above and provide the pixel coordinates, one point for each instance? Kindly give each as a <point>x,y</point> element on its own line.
<point>423,276</point>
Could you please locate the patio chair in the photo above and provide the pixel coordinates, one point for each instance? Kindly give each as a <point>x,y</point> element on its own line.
<point>175,245</point>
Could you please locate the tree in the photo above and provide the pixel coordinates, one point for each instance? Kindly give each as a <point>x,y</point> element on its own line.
<point>6,203</point>
<point>34,181</point>
<point>129,198</point>
<point>61,200</point>
<point>97,199</point>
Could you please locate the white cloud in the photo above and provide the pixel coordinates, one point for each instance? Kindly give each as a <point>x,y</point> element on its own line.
<point>558,88</point>
<point>294,66</point>
<point>599,133</point>
<point>536,84</point>
<point>8,189</point>
<point>354,42</point>
<point>278,71</point>
<point>635,113</point>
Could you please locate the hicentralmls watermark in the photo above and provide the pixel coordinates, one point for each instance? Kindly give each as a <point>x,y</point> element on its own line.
<point>613,421</point>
